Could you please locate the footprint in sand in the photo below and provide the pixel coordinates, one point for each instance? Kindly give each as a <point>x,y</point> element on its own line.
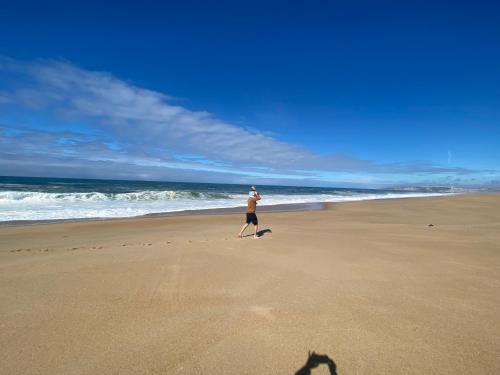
<point>262,311</point>
<point>147,244</point>
<point>97,247</point>
<point>19,250</point>
<point>124,244</point>
<point>74,248</point>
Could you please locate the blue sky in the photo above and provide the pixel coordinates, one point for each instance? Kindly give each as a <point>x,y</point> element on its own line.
<point>307,93</point>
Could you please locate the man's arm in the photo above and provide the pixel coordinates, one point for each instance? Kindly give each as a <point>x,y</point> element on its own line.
<point>258,197</point>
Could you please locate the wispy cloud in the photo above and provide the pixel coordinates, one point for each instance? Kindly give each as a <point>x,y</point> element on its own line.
<point>140,128</point>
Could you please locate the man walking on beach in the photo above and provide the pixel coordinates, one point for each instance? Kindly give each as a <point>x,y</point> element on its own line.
<point>254,196</point>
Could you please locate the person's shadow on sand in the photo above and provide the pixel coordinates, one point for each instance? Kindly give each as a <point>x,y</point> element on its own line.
<point>314,360</point>
<point>260,233</point>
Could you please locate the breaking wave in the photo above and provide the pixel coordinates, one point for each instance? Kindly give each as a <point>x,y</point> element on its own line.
<point>43,205</point>
<point>148,195</point>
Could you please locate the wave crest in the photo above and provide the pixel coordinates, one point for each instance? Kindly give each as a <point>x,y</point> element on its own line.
<point>146,195</point>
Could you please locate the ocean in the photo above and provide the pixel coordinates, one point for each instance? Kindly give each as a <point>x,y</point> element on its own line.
<point>30,198</point>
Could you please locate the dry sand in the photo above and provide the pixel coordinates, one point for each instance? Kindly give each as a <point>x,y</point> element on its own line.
<point>369,284</point>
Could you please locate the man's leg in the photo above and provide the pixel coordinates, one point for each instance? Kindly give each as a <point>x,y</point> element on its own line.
<point>243,229</point>
<point>256,229</point>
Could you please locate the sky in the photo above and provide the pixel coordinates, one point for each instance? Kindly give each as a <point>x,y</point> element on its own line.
<point>316,93</point>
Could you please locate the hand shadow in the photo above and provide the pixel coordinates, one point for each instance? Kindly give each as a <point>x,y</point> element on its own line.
<point>314,360</point>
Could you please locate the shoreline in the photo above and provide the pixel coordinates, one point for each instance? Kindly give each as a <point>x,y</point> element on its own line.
<point>292,207</point>
<point>286,207</point>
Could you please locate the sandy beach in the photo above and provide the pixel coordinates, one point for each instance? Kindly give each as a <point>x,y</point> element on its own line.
<point>400,286</point>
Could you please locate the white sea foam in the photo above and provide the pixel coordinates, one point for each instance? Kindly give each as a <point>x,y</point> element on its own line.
<point>146,195</point>
<point>20,205</point>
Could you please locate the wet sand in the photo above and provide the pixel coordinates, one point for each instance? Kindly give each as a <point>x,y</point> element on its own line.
<point>370,284</point>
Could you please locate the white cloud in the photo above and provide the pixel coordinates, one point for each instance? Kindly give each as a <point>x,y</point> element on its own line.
<point>135,115</point>
<point>149,130</point>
